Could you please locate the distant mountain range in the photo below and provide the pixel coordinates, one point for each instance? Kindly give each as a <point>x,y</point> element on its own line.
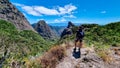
<point>55,29</point>
<point>58,29</point>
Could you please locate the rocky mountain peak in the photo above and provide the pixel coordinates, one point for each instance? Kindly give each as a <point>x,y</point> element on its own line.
<point>10,13</point>
<point>44,30</point>
<point>41,22</point>
<point>68,29</point>
<point>70,24</point>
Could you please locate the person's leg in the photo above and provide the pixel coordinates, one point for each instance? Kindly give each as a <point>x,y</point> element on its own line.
<point>76,42</point>
<point>75,45</point>
<point>80,45</point>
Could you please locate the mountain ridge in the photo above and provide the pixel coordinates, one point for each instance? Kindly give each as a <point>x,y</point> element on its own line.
<point>45,30</point>
<point>10,13</point>
<point>18,46</point>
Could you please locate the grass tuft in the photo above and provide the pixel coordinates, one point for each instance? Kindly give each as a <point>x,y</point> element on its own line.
<point>52,57</point>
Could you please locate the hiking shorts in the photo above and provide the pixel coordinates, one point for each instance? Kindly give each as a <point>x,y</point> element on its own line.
<point>79,39</point>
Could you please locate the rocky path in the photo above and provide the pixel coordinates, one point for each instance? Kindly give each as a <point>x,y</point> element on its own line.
<point>89,59</point>
<point>69,61</point>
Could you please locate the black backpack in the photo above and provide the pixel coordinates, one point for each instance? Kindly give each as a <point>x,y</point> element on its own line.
<point>80,34</point>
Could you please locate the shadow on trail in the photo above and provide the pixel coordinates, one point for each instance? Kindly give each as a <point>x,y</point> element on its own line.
<point>76,54</point>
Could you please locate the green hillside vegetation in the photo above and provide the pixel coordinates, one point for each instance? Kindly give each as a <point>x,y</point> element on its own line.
<point>23,46</point>
<point>101,37</point>
<point>107,34</point>
<point>98,34</point>
<point>18,45</point>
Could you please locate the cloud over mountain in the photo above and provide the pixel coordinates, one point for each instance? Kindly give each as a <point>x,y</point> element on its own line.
<point>41,10</point>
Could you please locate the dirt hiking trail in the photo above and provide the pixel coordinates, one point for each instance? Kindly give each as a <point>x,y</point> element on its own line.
<point>88,59</point>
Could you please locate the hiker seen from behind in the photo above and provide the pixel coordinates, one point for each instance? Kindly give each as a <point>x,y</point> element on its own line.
<point>79,37</point>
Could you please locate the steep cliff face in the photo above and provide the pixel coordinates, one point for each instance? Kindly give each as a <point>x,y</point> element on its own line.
<point>68,30</point>
<point>44,30</point>
<point>70,24</point>
<point>10,13</point>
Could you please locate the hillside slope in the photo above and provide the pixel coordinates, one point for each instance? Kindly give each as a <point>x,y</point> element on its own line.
<point>58,29</point>
<point>18,46</point>
<point>96,52</point>
<point>99,34</point>
<point>10,13</point>
<point>107,34</point>
<point>102,44</point>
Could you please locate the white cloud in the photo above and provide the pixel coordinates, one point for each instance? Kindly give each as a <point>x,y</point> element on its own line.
<point>103,12</point>
<point>56,20</point>
<point>63,20</point>
<point>46,11</point>
<point>67,9</point>
<point>17,4</point>
<point>60,20</point>
<point>41,10</point>
<point>30,10</point>
<point>70,16</point>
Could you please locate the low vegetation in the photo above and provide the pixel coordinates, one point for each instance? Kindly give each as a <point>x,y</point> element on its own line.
<point>19,45</point>
<point>52,57</point>
<point>101,36</point>
<point>107,34</point>
<point>49,60</point>
<point>21,48</point>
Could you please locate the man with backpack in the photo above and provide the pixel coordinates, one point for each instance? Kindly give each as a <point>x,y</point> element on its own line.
<point>79,37</point>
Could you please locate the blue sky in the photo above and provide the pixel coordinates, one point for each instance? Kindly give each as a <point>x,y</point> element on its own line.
<point>77,11</point>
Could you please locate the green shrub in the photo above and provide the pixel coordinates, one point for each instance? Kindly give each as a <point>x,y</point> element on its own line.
<point>20,44</point>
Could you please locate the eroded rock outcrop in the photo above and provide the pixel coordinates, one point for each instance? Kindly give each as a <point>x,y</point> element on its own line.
<point>44,30</point>
<point>10,13</point>
<point>68,30</point>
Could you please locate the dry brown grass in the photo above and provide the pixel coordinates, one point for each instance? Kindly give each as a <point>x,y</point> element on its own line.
<point>105,55</point>
<point>52,57</point>
<point>104,51</point>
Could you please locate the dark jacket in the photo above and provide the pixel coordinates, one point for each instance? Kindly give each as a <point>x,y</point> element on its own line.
<point>80,33</point>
